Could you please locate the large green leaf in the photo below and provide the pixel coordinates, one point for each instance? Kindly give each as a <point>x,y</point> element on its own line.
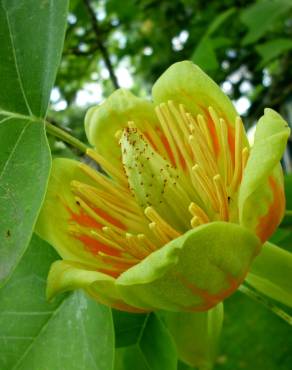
<point>253,338</point>
<point>72,333</point>
<point>31,38</point>
<point>204,54</point>
<point>127,327</point>
<point>24,168</point>
<point>151,349</point>
<point>273,49</point>
<point>287,221</point>
<point>261,16</point>
<point>196,335</point>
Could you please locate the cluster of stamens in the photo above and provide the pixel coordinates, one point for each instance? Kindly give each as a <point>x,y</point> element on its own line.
<point>200,161</point>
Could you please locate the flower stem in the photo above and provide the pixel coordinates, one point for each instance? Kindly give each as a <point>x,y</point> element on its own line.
<point>265,302</point>
<point>67,138</point>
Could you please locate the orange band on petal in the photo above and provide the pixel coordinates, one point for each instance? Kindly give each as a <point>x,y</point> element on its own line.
<point>231,142</point>
<point>269,222</point>
<point>212,129</point>
<point>209,300</point>
<point>94,246</point>
<point>83,219</point>
<point>109,218</point>
<point>119,305</point>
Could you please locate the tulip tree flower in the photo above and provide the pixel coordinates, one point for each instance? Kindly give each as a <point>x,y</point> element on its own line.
<point>181,207</point>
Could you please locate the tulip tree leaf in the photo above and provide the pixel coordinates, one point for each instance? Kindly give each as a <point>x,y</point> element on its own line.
<point>31,38</point>
<point>204,55</point>
<point>24,169</point>
<point>273,49</point>
<point>31,35</point>
<point>287,221</point>
<point>127,327</point>
<point>72,333</point>
<point>196,335</point>
<point>152,349</point>
<point>255,16</point>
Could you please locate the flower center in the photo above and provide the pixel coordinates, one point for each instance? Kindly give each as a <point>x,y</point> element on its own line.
<point>180,174</point>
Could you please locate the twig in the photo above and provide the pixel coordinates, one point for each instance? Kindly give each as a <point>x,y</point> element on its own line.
<point>256,296</point>
<point>100,44</point>
<point>65,136</point>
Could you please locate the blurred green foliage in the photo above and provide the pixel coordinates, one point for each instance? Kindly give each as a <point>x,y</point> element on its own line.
<point>246,46</point>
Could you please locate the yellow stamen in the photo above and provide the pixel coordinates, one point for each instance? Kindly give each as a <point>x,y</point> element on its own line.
<point>134,247</point>
<point>197,211</point>
<point>238,155</point>
<point>109,168</point>
<point>179,131</point>
<point>222,197</point>
<point>88,194</point>
<point>206,186</point>
<point>202,157</point>
<point>162,238</point>
<point>195,221</point>
<point>94,215</point>
<point>118,134</point>
<point>200,147</point>
<point>206,132</point>
<point>146,243</point>
<point>113,188</point>
<point>97,234</point>
<point>245,155</point>
<point>160,111</point>
<point>156,140</point>
<point>227,163</point>
<point>118,260</point>
<point>161,223</point>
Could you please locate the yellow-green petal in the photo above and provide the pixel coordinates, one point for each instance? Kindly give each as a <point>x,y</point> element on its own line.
<point>105,120</point>
<point>193,272</point>
<point>59,211</point>
<point>271,273</point>
<point>185,83</point>
<point>67,275</point>
<point>196,335</point>
<point>262,183</point>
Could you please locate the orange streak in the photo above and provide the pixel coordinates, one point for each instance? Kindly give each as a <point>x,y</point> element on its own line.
<point>268,223</point>
<point>169,151</point>
<point>210,300</point>
<point>231,142</point>
<point>94,246</point>
<point>83,219</point>
<point>166,145</point>
<point>212,129</point>
<point>148,137</point>
<point>124,307</point>
<point>114,274</point>
<point>109,218</point>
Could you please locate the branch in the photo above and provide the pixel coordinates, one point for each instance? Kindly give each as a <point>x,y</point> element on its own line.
<point>65,136</point>
<point>100,44</point>
<point>256,296</point>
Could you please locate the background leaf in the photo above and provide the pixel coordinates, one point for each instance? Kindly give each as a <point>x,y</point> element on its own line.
<point>260,17</point>
<point>153,347</point>
<point>72,333</point>
<point>31,38</point>
<point>24,169</point>
<point>272,49</point>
